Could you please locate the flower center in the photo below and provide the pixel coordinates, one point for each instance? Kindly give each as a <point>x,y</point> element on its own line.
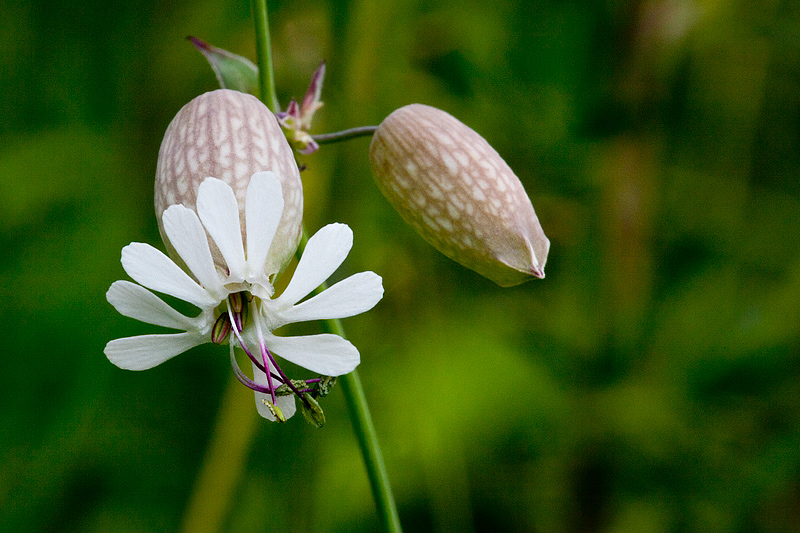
<point>239,307</point>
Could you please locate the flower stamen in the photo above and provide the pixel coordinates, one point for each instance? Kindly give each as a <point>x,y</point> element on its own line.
<point>243,379</point>
<point>237,330</point>
<point>221,329</point>
<point>265,355</point>
<point>285,379</point>
<point>238,334</point>
<point>234,321</point>
<point>237,301</point>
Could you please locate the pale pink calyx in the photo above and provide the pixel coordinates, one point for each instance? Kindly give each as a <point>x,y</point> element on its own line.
<point>456,191</point>
<point>230,136</point>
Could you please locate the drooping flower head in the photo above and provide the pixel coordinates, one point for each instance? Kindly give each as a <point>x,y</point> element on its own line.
<point>236,303</point>
<point>232,246</point>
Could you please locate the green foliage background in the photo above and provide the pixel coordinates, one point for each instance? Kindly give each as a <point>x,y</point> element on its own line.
<point>649,383</point>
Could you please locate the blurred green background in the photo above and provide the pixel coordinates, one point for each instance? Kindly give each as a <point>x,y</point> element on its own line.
<point>649,383</point>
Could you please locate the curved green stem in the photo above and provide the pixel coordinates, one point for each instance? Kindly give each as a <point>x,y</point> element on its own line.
<point>370,449</point>
<point>345,135</point>
<point>266,72</point>
<point>364,429</point>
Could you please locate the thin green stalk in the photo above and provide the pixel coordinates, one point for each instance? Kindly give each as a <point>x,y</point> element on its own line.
<point>351,384</point>
<point>364,429</point>
<point>371,450</point>
<point>266,72</point>
<point>338,136</point>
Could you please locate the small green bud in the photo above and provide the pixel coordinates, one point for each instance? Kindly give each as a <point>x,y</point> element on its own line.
<point>312,412</point>
<point>456,191</point>
<point>275,410</point>
<point>296,120</point>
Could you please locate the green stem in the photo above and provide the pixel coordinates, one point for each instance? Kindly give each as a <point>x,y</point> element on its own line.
<point>345,135</point>
<point>371,450</point>
<point>351,384</point>
<point>364,429</point>
<point>266,72</point>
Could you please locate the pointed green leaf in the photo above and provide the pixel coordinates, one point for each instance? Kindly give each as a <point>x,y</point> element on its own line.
<point>233,71</point>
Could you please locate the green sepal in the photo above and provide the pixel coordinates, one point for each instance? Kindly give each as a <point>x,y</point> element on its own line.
<point>233,71</point>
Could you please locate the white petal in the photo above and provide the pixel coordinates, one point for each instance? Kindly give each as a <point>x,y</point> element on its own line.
<point>264,207</point>
<point>351,296</point>
<point>137,302</point>
<point>219,211</point>
<point>325,251</point>
<point>189,239</point>
<point>147,351</point>
<point>156,271</point>
<point>325,354</point>
<point>286,403</point>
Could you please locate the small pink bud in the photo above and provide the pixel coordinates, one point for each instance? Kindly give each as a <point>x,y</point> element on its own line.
<point>230,136</point>
<point>296,120</point>
<point>457,192</point>
<point>312,100</point>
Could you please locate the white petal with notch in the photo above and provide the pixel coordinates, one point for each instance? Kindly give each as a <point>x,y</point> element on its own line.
<point>219,211</point>
<point>146,351</point>
<point>324,253</point>
<point>151,268</point>
<point>263,210</point>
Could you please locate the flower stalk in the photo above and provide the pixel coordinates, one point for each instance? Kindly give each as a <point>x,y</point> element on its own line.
<point>266,72</point>
<point>370,449</point>
<point>364,429</point>
<point>345,135</point>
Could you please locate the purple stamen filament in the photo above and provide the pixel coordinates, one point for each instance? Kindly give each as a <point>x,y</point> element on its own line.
<point>244,380</point>
<point>237,329</point>
<point>266,353</point>
<point>267,358</point>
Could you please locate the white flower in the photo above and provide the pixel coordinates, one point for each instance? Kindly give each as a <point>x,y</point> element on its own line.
<point>240,299</point>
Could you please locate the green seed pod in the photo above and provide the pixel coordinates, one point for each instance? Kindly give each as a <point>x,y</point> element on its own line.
<point>230,136</point>
<point>457,192</point>
<point>312,412</point>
